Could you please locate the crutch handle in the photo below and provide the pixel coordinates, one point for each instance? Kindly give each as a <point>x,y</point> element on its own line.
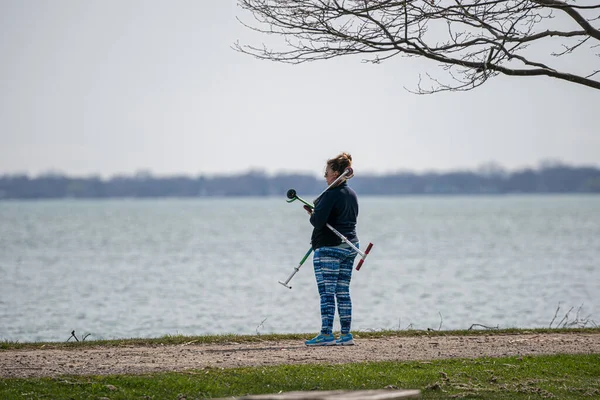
<point>296,269</point>
<point>285,284</point>
<point>362,259</point>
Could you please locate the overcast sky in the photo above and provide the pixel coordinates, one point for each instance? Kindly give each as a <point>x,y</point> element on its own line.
<point>107,87</point>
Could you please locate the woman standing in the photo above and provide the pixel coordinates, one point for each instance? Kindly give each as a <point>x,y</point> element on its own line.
<point>333,259</point>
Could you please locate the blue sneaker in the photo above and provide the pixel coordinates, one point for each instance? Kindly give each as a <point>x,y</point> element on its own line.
<point>321,340</point>
<point>345,340</point>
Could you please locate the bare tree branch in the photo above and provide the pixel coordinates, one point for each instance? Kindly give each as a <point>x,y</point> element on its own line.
<point>474,40</point>
<point>573,13</point>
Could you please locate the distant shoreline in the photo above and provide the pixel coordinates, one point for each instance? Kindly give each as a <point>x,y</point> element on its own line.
<point>549,180</point>
<point>233,197</point>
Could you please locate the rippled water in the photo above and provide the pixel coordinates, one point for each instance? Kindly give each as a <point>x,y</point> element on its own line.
<point>147,268</point>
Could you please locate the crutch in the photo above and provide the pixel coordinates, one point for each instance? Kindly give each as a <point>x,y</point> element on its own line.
<point>292,196</point>
<point>296,269</point>
<point>348,173</point>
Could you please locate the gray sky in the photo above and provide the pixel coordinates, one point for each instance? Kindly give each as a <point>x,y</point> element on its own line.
<point>107,87</point>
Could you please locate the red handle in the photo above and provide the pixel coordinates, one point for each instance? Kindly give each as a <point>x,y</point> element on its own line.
<point>362,260</point>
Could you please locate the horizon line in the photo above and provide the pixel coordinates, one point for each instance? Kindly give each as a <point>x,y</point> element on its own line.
<point>489,168</point>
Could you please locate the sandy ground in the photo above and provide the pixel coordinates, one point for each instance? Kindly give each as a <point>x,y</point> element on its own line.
<point>191,356</point>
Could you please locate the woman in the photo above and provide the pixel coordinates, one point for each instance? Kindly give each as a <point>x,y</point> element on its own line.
<point>333,259</point>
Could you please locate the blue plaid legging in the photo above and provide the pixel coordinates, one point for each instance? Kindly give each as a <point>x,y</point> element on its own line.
<point>333,271</point>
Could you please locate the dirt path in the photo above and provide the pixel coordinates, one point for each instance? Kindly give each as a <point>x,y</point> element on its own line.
<point>144,359</point>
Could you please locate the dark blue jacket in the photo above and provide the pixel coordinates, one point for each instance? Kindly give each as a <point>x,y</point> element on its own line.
<point>339,207</point>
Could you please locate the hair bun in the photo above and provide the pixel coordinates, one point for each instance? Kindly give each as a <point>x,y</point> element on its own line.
<point>340,162</point>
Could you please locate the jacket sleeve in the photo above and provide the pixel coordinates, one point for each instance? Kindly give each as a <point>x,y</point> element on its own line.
<point>322,210</point>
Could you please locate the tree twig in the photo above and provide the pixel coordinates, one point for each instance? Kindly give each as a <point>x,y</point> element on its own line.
<point>72,336</point>
<point>484,326</point>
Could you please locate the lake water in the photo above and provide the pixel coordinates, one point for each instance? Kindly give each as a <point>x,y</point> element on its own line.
<point>148,268</point>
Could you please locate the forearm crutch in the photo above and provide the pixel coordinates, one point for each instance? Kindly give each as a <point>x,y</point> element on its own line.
<point>296,269</point>
<point>292,196</point>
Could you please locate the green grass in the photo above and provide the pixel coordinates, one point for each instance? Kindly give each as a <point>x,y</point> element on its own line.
<point>215,339</point>
<point>539,377</point>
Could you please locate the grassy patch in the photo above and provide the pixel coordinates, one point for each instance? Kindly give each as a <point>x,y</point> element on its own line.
<point>539,377</point>
<point>215,339</point>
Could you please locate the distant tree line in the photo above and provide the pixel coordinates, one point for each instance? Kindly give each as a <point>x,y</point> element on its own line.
<point>546,179</point>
